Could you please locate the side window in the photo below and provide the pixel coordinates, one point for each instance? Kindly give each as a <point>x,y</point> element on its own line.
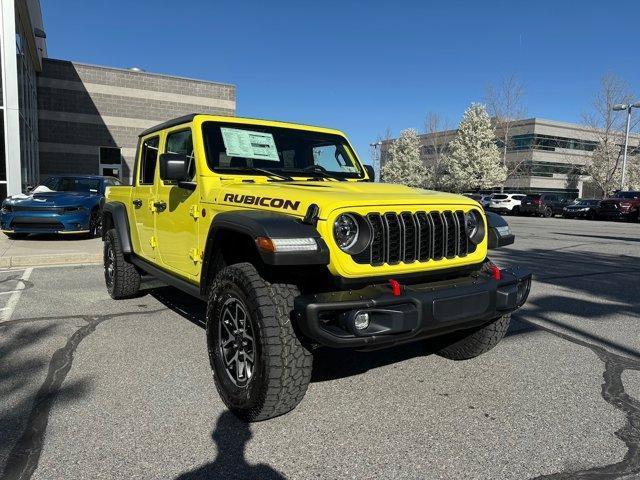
<point>182,142</point>
<point>148,160</point>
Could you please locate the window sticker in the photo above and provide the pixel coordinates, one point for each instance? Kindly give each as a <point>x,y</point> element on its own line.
<point>249,144</point>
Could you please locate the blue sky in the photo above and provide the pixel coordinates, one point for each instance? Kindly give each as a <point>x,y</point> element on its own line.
<point>362,67</point>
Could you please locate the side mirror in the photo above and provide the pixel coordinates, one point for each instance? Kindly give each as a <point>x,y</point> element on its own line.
<point>174,167</point>
<point>370,172</point>
<point>29,188</point>
<point>499,234</point>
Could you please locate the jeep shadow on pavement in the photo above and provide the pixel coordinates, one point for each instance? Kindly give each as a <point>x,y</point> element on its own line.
<point>284,234</point>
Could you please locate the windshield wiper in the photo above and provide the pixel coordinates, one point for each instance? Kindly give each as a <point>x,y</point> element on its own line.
<point>261,170</point>
<point>314,171</point>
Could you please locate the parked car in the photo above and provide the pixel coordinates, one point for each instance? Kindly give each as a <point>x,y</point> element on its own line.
<point>582,208</point>
<point>288,258</point>
<point>623,206</point>
<point>482,199</point>
<point>506,202</point>
<point>62,204</point>
<point>543,204</point>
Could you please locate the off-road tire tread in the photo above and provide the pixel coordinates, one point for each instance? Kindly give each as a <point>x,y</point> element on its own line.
<point>288,363</point>
<point>126,278</point>
<point>479,342</point>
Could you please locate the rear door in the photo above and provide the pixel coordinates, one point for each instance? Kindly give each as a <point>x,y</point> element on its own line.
<point>144,192</point>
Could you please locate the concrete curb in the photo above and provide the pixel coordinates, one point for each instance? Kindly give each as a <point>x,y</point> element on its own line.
<point>52,259</point>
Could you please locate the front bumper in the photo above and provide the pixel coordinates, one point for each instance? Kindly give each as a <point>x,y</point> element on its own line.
<point>420,311</point>
<point>44,222</point>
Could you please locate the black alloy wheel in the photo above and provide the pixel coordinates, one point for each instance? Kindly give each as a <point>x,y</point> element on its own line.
<point>236,341</point>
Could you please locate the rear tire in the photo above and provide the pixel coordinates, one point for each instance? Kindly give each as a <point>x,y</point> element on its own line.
<point>16,236</point>
<point>260,367</point>
<point>465,345</point>
<point>121,277</point>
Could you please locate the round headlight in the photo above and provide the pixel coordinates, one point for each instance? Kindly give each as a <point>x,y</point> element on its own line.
<point>474,226</point>
<point>352,233</point>
<point>345,231</point>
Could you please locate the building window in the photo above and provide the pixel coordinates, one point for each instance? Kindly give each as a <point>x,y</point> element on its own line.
<point>110,156</point>
<point>534,141</point>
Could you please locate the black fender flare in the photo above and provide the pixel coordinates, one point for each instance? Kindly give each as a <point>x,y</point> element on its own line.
<point>254,224</point>
<point>115,214</point>
<point>497,236</point>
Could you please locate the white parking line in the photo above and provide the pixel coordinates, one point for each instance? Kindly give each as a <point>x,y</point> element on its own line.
<point>7,311</point>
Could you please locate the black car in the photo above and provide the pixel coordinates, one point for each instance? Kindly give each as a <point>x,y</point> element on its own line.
<point>543,204</point>
<point>582,208</point>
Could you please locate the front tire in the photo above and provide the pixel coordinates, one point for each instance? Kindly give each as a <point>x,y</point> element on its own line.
<point>260,367</point>
<point>95,224</point>
<point>465,345</point>
<point>121,277</point>
<point>548,213</point>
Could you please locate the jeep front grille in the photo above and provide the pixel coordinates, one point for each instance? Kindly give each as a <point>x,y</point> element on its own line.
<point>421,236</point>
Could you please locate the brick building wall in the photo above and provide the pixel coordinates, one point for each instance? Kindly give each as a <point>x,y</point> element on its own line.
<point>84,107</point>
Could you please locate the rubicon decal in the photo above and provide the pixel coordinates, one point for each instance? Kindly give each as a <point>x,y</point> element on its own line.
<point>262,201</point>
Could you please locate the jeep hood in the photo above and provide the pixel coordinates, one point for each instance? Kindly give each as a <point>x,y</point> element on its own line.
<point>295,197</point>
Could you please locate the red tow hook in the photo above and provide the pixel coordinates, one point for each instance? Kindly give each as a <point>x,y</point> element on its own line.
<point>395,287</point>
<point>495,272</point>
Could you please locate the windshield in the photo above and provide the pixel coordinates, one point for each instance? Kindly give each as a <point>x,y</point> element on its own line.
<point>252,149</point>
<point>587,203</point>
<point>631,195</point>
<point>532,197</point>
<point>72,184</point>
<point>499,197</point>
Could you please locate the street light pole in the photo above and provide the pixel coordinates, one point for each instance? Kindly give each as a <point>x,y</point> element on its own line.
<point>376,147</point>
<point>619,107</point>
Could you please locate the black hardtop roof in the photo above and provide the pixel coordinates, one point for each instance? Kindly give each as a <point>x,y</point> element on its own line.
<point>188,118</point>
<point>169,123</point>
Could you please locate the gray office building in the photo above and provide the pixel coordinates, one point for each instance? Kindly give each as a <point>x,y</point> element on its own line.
<point>552,156</point>
<point>59,116</point>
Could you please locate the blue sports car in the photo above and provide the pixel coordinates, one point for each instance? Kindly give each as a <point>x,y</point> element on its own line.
<point>62,204</point>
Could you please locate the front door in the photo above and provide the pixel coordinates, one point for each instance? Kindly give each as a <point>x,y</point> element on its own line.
<point>143,197</point>
<point>177,214</point>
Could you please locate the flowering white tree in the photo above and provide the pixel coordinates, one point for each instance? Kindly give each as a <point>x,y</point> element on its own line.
<point>632,177</point>
<point>404,164</point>
<point>607,126</point>
<point>603,167</point>
<point>474,161</point>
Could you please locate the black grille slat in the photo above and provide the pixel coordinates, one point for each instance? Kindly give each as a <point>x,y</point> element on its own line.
<point>407,237</point>
<point>410,236</point>
<point>394,238</point>
<point>377,243</point>
<point>462,235</point>
<point>451,237</point>
<point>438,236</point>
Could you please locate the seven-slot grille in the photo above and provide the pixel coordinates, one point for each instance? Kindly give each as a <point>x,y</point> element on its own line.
<point>421,236</point>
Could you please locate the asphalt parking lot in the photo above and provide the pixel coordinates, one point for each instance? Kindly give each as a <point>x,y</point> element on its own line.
<point>94,388</point>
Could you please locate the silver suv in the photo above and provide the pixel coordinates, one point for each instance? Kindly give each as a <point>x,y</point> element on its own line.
<point>506,203</point>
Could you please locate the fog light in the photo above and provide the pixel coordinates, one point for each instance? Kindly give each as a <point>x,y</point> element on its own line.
<point>361,320</point>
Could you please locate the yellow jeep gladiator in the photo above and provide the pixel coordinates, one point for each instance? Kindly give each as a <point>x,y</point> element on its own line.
<point>285,235</point>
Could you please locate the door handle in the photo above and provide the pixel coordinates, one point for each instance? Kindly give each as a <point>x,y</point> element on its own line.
<point>137,203</point>
<point>160,206</point>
